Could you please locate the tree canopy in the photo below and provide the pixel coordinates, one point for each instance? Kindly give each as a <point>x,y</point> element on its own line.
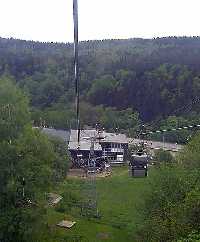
<point>171,210</point>
<point>30,164</point>
<point>153,77</point>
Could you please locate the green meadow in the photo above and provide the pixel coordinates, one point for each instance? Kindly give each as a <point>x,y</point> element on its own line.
<point>119,198</point>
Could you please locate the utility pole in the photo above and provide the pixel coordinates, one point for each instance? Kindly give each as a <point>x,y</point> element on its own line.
<point>90,204</point>
<point>163,141</point>
<point>76,66</point>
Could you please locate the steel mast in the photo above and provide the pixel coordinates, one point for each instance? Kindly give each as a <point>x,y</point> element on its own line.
<point>89,206</point>
<point>76,67</point>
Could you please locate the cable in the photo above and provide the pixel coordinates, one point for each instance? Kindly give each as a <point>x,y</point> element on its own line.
<point>172,129</point>
<point>186,107</point>
<point>142,133</point>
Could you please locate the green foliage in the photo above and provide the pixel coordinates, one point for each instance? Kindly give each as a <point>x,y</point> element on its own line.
<point>101,90</point>
<point>177,136</point>
<point>24,153</point>
<point>190,157</point>
<point>193,237</point>
<point>162,156</point>
<point>36,157</point>
<point>59,117</point>
<point>153,77</point>
<point>30,156</point>
<point>21,225</point>
<point>123,120</point>
<point>61,159</point>
<point>163,207</point>
<point>13,109</point>
<point>172,205</point>
<point>110,118</point>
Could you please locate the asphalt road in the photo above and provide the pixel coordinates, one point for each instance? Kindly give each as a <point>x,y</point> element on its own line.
<point>158,145</point>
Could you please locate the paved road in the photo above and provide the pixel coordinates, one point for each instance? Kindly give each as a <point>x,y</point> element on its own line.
<point>158,145</point>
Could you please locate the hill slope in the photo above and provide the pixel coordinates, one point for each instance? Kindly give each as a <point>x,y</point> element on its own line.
<point>150,76</point>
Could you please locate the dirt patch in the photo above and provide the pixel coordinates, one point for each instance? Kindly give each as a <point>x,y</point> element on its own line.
<point>103,174</point>
<point>80,173</point>
<point>76,173</point>
<point>103,236</point>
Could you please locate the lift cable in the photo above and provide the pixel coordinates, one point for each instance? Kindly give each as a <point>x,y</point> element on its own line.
<point>185,108</point>
<point>171,129</point>
<point>159,131</point>
<point>76,67</point>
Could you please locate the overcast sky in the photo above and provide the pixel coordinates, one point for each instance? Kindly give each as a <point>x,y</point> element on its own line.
<point>51,20</point>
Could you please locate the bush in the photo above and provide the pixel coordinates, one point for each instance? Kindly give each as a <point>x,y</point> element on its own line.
<point>163,156</point>
<point>172,206</point>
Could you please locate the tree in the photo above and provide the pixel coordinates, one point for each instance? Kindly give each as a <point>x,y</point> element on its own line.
<point>171,210</point>
<point>163,206</point>
<point>13,109</point>
<point>162,156</point>
<point>27,168</point>
<point>102,89</point>
<point>190,157</point>
<point>61,160</point>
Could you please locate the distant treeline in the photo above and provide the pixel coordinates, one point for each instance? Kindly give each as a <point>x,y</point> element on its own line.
<point>149,77</point>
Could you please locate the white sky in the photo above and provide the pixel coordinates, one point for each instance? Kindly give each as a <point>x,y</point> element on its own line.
<point>51,20</point>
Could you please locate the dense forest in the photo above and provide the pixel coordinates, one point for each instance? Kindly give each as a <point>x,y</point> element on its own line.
<point>122,82</point>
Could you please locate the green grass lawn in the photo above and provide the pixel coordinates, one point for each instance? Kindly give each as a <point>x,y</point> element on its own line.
<point>119,202</point>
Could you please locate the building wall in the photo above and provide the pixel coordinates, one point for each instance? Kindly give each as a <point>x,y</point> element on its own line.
<point>115,149</point>
<point>85,154</point>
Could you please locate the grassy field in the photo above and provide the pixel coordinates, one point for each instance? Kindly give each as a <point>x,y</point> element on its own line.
<point>119,202</point>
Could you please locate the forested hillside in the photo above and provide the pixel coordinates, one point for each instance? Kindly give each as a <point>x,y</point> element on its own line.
<point>121,81</point>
